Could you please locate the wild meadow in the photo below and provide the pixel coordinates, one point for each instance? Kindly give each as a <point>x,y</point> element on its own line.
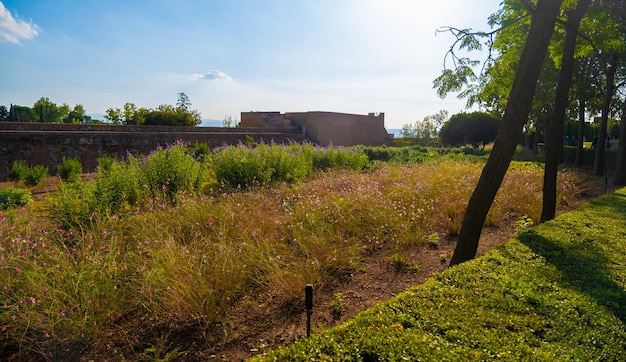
<point>180,237</point>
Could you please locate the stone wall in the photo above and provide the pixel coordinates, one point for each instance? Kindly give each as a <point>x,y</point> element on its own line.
<point>47,144</point>
<point>326,128</point>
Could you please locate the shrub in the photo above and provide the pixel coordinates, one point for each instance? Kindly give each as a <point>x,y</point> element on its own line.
<point>18,171</point>
<point>14,197</point>
<point>169,171</point>
<point>332,158</point>
<point>70,169</point>
<point>36,174</point>
<point>476,129</point>
<point>104,163</point>
<point>242,166</point>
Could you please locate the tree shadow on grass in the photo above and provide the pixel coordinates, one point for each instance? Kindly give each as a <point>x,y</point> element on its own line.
<point>583,267</point>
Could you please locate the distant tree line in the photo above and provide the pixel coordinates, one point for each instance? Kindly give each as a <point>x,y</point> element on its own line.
<point>46,111</point>
<point>476,129</point>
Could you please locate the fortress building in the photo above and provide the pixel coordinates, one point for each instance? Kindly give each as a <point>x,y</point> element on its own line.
<point>325,128</point>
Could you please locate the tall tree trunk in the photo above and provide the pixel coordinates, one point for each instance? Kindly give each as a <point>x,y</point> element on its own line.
<point>554,137</point>
<point>581,133</point>
<point>598,165</point>
<point>515,116</point>
<point>620,169</point>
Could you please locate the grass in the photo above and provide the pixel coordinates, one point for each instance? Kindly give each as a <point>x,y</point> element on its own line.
<point>109,274</point>
<point>556,292</point>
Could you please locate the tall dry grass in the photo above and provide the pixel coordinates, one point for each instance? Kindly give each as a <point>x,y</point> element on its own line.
<point>191,261</point>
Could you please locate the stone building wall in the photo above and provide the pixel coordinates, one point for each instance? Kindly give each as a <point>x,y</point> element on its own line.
<point>47,144</point>
<point>326,128</point>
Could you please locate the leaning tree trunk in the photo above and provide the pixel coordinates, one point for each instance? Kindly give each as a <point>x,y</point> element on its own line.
<point>554,138</point>
<point>515,116</point>
<point>598,165</point>
<point>581,133</point>
<point>620,169</point>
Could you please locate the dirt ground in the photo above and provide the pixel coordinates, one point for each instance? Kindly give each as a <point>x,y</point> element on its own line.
<point>257,327</point>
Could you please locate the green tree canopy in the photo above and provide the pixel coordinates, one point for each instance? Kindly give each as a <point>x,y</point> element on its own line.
<point>476,129</point>
<point>4,114</point>
<point>48,112</point>
<point>426,128</point>
<point>22,114</point>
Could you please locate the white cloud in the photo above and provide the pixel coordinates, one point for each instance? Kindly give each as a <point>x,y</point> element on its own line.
<point>12,30</point>
<point>211,75</point>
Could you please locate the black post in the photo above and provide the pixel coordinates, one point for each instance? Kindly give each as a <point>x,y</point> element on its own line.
<point>308,291</point>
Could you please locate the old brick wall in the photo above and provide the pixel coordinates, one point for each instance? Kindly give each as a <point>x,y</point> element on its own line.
<point>47,144</point>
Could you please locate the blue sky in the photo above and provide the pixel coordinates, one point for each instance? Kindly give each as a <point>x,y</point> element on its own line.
<point>229,56</point>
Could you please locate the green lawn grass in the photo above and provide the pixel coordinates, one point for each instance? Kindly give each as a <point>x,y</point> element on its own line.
<point>557,292</point>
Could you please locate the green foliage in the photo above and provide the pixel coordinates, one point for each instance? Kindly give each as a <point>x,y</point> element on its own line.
<point>477,129</point>
<point>169,171</point>
<point>22,114</point>
<point>121,186</point>
<point>5,116</point>
<point>337,157</point>
<point>167,115</point>
<point>200,150</point>
<point>427,128</point>
<point>433,240</point>
<point>32,176</point>
<point>105,162</point>
<point>70,169</point>
<point>35,175</point>
<point>523,224</point>
<point>245,166</point>
<point>14,197</point>
<point>337,305</point>
<point>48,112</point>
<point>555,293</point>
<point>18,171</point>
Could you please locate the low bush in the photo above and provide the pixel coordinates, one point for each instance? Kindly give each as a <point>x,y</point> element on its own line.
<point>14,197</point>
<point>133,184</point>
<point>36,174</point>
<point>19,170</point>
<point>70,169</point>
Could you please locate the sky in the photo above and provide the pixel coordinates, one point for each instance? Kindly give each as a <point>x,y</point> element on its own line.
<point>232,56</point>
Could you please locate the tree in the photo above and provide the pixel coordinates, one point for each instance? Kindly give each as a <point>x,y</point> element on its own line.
<point>427,128</point>
<point>183,101</point>
<point>48,112</point>
<point>77,115</point>
<point>476,129</point>
<point>598,165</point>
<point>554,143</point>
<point>4,114</point>
<point>22,114</point>
<point>113,115</point>
<point>620,169</point>
<point>543,19</point>
<point>167,115</point>
<point>227,122</point>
